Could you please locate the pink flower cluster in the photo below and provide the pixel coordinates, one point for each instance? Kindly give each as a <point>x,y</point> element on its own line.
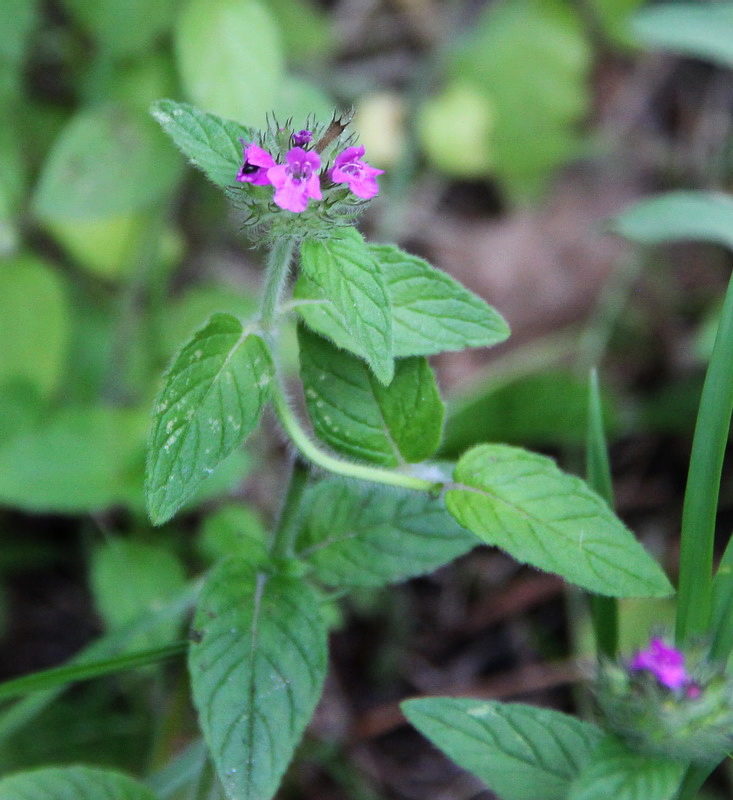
<point>298,180</point>
<point>667,664</point>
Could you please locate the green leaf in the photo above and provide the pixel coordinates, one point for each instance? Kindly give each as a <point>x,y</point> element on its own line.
<point>210,143</point>
<point>72,783</point>
<point>212,399</point>
<point>84,458</point>
<point>614,771</point>
<point>344,270</point>
<point>432,311</point>
<point>18,18</point>
<point>521,752</point>
<point>229,57</point>
<point>699,30</point>
<point>123,28</point>
<point>107,160</point>
<point>306,29</point>
<point>34,335</point>
<point>358,416</point>
<point>523,503</point>
<point>613,16</point>
<point>233,530</point>
<point>677,216</point>
<point>257,673</point>
<point>158,578</point>
<point>365,535</point>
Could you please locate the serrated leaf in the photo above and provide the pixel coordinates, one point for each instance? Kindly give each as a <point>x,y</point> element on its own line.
<point>72,783</point>
<point>210,143</point>
<point>212,399</point>
<point>344,270</point>
<point>677,216</point>
<point>257,673</point>
<point>107,160</point>
<point>366,535</point>
<point>432,312</point>
<point>521,752</point>
<point>359,416</point>
<point>229,57</point>
<point>523,503</point>
<point>702,31</point>
<point>614,771</point>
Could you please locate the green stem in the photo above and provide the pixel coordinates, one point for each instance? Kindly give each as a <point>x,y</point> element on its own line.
<point>278,269</point>
<point>703,484</point>
<point>339,466</point>
<point>287,527</point>
<point>694,778</point>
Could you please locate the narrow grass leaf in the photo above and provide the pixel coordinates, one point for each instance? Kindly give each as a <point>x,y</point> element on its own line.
<point>344,270</point>
<point>432,312</point>
<point>257,673</point>
<point>367,535</point>
<point>614,771</point>
<point>72,783</point>
<point>212,398</point>
<point>354,413</point>
<point>521,752</point>
<point>523,503</point>
<point>210,143</point>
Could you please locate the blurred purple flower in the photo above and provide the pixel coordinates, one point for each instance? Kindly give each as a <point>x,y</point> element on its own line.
<point>296,181</point>
<point>667,664</point>
<point>256,163</point>
<point>302,137</point>
<point>361,178</point>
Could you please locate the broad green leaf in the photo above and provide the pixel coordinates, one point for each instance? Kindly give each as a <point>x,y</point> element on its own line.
<point>359,416</point>
<point>257,673</point>
<point>210,143</point>
<point>158,578</point>
<point>305,27</point>
<point>229,57</point>
<point>617,772</point>
<point>700,30</point>
<point>365,535</point>
<point>84,458</point>
<point>432,311</point>
<point>537,103</point>
<point>523,503</point>
<point>123,28</point>
<point>343,269</point>
<point>34,323</point>
<point>233,530</point>
<point>677,216</point>
<point>72,783</point>
<point>521,752</point>
<point>212,399</point>
<point>107,160</point>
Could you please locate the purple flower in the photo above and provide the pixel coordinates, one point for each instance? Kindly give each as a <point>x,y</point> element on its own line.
<point>349,168</point>
<point>302,137</point>
<point>296,181</point>
<point>667,664</point>
<point>256,164</point>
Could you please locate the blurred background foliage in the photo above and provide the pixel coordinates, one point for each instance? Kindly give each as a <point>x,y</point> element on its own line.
<point>509,130</point>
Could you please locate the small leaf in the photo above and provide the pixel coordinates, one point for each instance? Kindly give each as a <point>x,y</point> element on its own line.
<point>677,216</point>
<point>358,416</point>
<point>521,752</point>
<point>212,399</point>
<point>366,535</point>
<point>344,270</point>
<point>106,161</point>
<point>702,31</point>
<point>432,311</point>
<point>614,771</point>
<point>229,57</point>
<point>257,673</point>
<point>523,503</point>
<point>210,143</point>
<point>72,783</point>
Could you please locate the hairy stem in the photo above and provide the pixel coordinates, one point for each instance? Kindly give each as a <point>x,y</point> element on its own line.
<point>278,269</point>
<point>287,528</point>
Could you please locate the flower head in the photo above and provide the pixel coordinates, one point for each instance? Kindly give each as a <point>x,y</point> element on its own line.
<point>302,137</point>
<point>361,178</point>
<point>297,180</point>
<point>256,163</point>
<point>667,664</point>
